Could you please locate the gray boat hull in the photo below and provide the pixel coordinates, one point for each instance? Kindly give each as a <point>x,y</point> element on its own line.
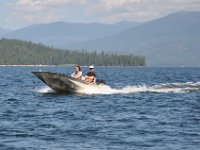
<point>63,83</point>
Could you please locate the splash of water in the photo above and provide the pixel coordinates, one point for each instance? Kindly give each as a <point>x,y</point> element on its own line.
<point>160,88</point>
<point>44,89</point>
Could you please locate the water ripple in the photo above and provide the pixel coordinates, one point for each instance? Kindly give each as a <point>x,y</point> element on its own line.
<point>152,108</point>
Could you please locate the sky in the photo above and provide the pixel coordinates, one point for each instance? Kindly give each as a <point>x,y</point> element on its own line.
<point>16,14</point>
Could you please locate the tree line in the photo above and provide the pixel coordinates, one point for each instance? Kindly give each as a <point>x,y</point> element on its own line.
<point>17,52</point>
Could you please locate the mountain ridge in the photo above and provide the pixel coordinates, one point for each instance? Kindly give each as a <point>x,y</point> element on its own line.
<point>61,34</point>
<point>3,31</point>
<point>172,40</point>
<point>167,41</point>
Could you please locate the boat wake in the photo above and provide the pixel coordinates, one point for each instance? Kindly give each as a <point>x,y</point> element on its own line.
<point>160,88</point>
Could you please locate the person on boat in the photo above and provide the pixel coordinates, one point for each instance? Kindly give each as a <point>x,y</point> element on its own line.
<point>78,73</point>
<point>90,76</point>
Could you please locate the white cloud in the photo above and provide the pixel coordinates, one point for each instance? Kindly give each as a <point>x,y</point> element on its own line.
<point>139,4</point>
<point>40,11</point>
<point>37,5</point>
<point>140,10</point>
<point>28,12</point>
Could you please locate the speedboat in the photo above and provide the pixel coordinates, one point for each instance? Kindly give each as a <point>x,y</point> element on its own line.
<point>66,84</point>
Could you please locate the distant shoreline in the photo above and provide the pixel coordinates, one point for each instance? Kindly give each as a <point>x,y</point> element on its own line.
<point>25,65</point>
<point>96,66</point>
<point>60,65</point>
<point>38,65</point>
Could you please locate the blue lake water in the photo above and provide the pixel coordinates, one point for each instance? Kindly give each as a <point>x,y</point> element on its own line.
<point>141,108</point>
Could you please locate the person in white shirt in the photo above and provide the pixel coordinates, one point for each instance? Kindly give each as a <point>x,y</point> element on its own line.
<point>78,73</point>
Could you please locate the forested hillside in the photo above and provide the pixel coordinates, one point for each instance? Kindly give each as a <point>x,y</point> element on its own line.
<point>16,52</point>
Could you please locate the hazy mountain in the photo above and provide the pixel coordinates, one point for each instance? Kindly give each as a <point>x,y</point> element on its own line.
<point>61,34</point>
<point>3,31</point>
<point>173,40</point>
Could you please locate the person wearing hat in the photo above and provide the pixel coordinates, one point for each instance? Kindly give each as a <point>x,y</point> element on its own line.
<point>90,76</point>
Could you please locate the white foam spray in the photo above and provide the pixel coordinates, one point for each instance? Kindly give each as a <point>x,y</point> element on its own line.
<point>160,88</point>
<point>44,89</point>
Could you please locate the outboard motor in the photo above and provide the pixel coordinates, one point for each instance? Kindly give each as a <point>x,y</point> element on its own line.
<point>100,81</point>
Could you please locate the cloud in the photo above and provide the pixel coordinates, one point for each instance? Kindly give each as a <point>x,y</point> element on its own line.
<point>26,12</point>
<point>35,5</point>
<point>140,10</point>
<point>40,11</point>
<point>109,5</point>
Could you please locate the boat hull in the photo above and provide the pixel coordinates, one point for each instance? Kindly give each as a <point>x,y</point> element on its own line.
<point>63,83</point>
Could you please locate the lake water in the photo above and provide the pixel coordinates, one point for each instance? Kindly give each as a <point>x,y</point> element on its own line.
<point>140,108</point>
